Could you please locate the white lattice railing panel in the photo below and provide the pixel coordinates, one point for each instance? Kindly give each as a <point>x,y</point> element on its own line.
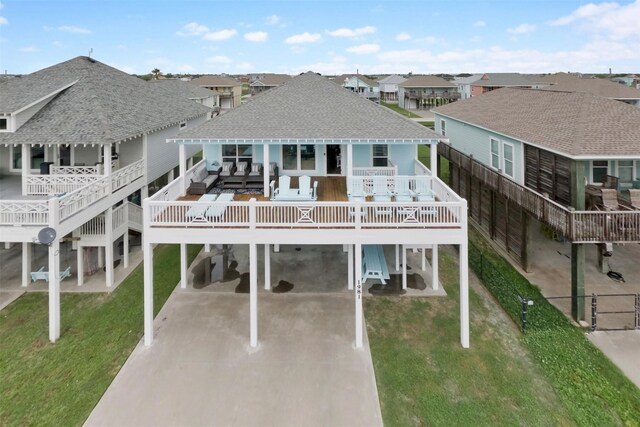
<point>75,201</point>
<point>74,170</point>
<point>56,184</point>
<point>24,212</point>
<point>135,215</point>
<point>127,174</point>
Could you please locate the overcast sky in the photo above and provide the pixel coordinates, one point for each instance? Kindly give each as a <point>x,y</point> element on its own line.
<point>330,37</point>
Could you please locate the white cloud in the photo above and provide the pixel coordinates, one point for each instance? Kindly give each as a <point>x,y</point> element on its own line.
<point>3,20</point>
<point>364,49</point>
<point>184,68</point>
<point>348,32</point>
<point>615,21</point>
<point>586,11</point>
<point>258,36</point>
<point>303,38</point>
<point>192,29</point>
<point>403,36</point>
<point>272,20</point>
<point>29,49</point>
<point>73,29</point>
<point>220,35</point>
<point>244,66</point>
<point>479,24</point>
<point>219,59</point>
<point>522,29</point>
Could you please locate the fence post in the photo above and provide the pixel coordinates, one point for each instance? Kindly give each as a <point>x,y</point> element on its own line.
<point>594,312</point>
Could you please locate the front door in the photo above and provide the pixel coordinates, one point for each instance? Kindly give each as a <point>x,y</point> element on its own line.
<point>334,160</point>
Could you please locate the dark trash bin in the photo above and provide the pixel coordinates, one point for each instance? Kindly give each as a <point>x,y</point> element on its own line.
<point>44,168</point>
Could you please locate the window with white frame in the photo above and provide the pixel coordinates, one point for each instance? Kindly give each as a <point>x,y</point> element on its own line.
<point>237,153</point>
<point>599,170</point>
<point>4,124</point>
<point>495,153</point>
<point>507,158</point>
<point>380,155</point>
<point>625,172</point>
<point>443,127</point>
<point>298,157</point>
<point>37,157</point>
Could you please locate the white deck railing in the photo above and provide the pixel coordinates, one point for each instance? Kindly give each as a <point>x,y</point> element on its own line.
<point>135,215</point>
<point>24,212</point>
<point>420,169</point>
<point>74,170</point>
<point>321,215</point>
<point>38,185</point>
<point>124,215</point>
<point>127,174</point>
<point>390,170</point>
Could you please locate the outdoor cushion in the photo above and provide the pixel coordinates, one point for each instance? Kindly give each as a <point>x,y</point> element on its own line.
<point>226,168</point>
<point>256,169</point>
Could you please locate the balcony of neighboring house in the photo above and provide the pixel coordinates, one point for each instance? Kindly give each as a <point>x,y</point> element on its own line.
<point>428,98</point>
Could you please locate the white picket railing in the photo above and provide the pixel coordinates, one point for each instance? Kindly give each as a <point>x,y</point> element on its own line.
<point>322,215</point>
<point>24,212</point>
<point>38,185</point>
<point>171,191</point>
<point>135,215</point>
<point>125,214</point>
<point>74,170</point>
<point>75,201</point>
<point>390,170</point>
<point>420,169</point>
<point>202,164</point>
<point>127,174</point>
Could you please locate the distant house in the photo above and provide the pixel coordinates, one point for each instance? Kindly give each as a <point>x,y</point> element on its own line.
<point>228,89</point>
<point>389,87</point>
<point>601,87</point>
<point>630,80</point>
<point>525,156</point>
<point>200,95</point>
<point>424,92</point>
<point>478,84</point>
<point>268,81</point>
<point>360,84</point>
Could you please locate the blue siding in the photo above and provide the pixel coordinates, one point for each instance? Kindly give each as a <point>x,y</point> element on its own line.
<point>361,156</point>
<point>403,156</point>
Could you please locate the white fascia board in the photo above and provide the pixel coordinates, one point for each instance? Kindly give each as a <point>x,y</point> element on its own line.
<point>315,141</point>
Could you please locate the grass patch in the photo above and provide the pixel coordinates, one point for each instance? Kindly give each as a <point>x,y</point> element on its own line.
<point>425,377</point>
<point>59,384</point>
<point>430,125</point>
<point>424,155</point>
<point>400,110</point>
<point>591,387</point>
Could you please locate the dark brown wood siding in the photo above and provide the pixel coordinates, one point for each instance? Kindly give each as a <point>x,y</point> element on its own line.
<point>548,173</point>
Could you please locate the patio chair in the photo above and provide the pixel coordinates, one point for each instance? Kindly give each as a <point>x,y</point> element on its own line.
<point>227,169</point>
<point>305,191</point>
<point>273,170</point>
<point>381,192</point>
<point>609,200</point>
<point>283,191</point>
<point>634,197</point>
<point>256,169</point>
<point>241,169</point>
<point>355,188</point>
<point>402,191</point>
<point>422,190</point>
<point>197,212</point>
<point>215,211</point>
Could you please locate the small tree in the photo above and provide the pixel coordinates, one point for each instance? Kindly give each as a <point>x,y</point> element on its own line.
<point>156,73</point>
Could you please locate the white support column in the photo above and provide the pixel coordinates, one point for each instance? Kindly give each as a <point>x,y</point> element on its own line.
<point>189,162</point>
<point>108,249</point>
<point>100,257</point>
<point>80,264</point>
<point>267,267</point>
<point>423,251</point>
<point>404,267</point>
<point>54,291</point>
<point>182,151</point>
<point>170,176</point>
<point>183,265</point>
<point>144,192</point>
<point>464,295</point>
<point>434,159</point>
<point>276,247</point>
<point>397,257</point>
<point>265,165</point>
<point>207,247</point>
<point>349,160</point>
<point>358,294</point>
<point>125,249</point>
<point>26,263</point>
<point>345,248</point>
<point>148,294</point>
<point>350,267</point>
<point>435,277</point>
<point>253,294</point>
<point>106,159</point>
<point>55,154</point>
<point>74,243</point>
<point>25,162</point>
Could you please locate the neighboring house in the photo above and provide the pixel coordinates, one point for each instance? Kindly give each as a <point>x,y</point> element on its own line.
<point>268,81</point>
<point>424,92</point>
<point>631,80</point>
<point>379,151</point>
<point>228,89</point>
<point>478,84</point>
<point>78,141</point>
<point>601,87</point>
<point>525,155</point>
<point>181,88</point>
<point>389,87</point>
<point>361,85</point>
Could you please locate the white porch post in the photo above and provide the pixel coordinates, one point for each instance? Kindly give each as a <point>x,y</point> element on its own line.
<point>435,281</point>
<point>358,294</point>
<point>434,159</point>
<point>148,294</point>
<point>144,192</point>
<point>189,162</point>
<point>108,248</point>
<point>267,266</point>
<point>170,176</point>
<point>349,160</point>
<point>253,294</point>
<point>25,163</point>
<point>54,290</point>
<point>207,247</point>
<point>106,159</point>
<point>423,251</point>
<point>182,151</point>
<point>100,257</point>
<point>397,257</point>
<point>26,263</point>
<point>404,267</point>
<point>80,264</point>
<point>183,265</point>
<point>55,154</point>
<point>276,247</point>
<point>350,267</point>
<point>125,249</point>
<point>464,295</point>
<point>265,165</point>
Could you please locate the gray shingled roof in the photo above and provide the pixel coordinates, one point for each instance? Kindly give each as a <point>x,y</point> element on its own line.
<point>596,86</point>
<point>575,124</point>
<point>392,79</point>
<point>215,81</point>
<point>105,105</point>
<point>310,107</point>
<point>180,88</point>
<point>502,79</point>
<point>426,81</point>
<point>272,80</point>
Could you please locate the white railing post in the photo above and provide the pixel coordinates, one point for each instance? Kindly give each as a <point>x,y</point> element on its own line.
<point>252,213</point>
<point>106,163</point>
<point>265,169</point>
<point>358,295</point>
<point>349,159</point>
<point>434,159</point>
<point>182,163</point>
<point>25,163</point>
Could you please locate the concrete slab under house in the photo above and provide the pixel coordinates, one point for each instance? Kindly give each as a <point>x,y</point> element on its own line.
<point>353,182</point>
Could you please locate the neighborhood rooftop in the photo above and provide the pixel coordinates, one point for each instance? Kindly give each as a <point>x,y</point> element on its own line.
<point>575,124</point>
<point>215,81</point>
<point>180,88</point>
<point>426,81</point>
<point>306,108</point>
<point>87,110</point>
<point>596,86</point>
<point>496,79</point>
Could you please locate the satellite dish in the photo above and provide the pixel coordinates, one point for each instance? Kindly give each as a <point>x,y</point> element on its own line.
<point>46,235</point>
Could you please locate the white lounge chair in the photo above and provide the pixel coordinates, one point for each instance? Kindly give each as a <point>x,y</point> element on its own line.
<point>217,211</point>
<point>381,192</point>
<point>422,190</point>
<point>305,191</point>
<point>355,188</point>
<point>284,192</point>
<point>402,191</point>
<point>197,212</point>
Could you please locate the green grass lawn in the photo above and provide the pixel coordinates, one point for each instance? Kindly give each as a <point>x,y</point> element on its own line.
<point>425,377</point>
<point>424,155</point>
<point>59,384</point>
<point>400,110</point>
<point>430,125</point>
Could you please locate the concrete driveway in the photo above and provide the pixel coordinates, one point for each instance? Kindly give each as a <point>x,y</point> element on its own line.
<point>201,371</point>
